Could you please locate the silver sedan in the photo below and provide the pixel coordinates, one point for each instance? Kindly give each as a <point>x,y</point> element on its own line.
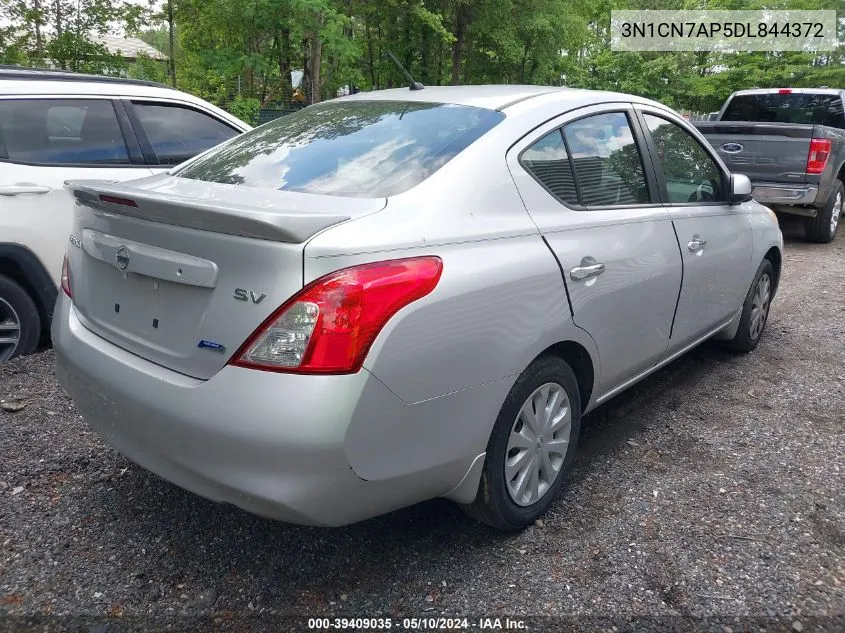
<point>403,295</point>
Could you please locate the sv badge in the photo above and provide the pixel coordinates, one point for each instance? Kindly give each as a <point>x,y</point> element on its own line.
<point>245,295</point>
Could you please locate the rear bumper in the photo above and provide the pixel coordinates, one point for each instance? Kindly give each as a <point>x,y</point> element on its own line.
<point>274,444</point>
<point>782,194</point>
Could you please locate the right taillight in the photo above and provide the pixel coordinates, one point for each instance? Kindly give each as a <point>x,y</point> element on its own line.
<point>818,155</point>
<point>66,278</point>
<point>328,327</point>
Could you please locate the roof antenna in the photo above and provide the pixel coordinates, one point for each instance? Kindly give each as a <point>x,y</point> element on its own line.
<point>413,85</point>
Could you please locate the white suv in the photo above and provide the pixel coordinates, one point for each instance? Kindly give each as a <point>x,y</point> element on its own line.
<point>57,126</point>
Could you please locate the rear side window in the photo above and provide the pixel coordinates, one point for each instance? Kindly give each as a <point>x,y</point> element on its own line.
<point>607,163</point>
<point>178,133</point>
<point>548,161</point>
<point>356,149</point>
<point>61,132</point>
<point>816,109</point>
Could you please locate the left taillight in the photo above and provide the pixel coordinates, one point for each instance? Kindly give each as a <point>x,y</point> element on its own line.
<point>818,155</point>
<point>329,326</point>
<point>66,278</point>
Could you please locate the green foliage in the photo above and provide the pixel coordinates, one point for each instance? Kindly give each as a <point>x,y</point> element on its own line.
<point>237,53</point>
<point>144,67</point>
<point>245,108</point>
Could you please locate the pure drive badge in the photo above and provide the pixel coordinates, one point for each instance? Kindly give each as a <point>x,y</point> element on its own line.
<point>216,347</point>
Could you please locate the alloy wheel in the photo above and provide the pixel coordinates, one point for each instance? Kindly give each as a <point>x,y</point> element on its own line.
<point>760,306</point>
<point>837,211</point>
<point>538,443</point>
<point>10,330</point>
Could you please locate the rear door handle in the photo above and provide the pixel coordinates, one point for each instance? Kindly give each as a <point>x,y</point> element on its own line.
<point>696,244</point>
<point>16,190</point>
<point>589,268</point>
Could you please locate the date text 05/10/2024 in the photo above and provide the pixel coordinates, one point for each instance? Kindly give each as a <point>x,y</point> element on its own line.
<point>418,624</point>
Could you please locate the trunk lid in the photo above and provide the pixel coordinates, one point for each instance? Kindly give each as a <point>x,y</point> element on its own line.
<point>765,152</point>
<point>181,272</point>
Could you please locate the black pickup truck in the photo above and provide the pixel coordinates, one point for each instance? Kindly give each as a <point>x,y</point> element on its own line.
<point>791,144</point>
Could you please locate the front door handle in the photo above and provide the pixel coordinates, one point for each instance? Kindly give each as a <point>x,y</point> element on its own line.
<point>16,190</point>
<point>696,244</point>
<point>589,268</point>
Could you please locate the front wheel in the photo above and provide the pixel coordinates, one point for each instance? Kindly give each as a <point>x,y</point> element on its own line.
<point>20,325</point>
<point>755,310</point>
<point>531,447</point>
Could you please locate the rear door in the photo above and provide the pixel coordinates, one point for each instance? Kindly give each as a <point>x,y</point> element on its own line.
<point>585,184</point>
<point>45,141</point>
<point>171,132</point>
<point>715,236</point>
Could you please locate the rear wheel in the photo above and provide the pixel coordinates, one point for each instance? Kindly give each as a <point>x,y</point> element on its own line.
<point>822,228</point>
<point>531,447</point>
<point>20,325</point>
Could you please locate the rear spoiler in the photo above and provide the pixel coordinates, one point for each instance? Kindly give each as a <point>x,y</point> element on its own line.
<point>224,215</point>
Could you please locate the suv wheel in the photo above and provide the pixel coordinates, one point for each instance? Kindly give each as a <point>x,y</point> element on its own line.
<point>20,325</point>
<point>822,228</point>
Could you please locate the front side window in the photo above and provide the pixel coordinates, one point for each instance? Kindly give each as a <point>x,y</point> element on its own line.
<point>354,148</point>
<point>177,133</point>
<point>691,173</point>
<point>61,132</point>
<point>607,162</point>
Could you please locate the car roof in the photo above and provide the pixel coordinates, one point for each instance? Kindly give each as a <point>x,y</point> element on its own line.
<point>30,82</point>
<point>36,74</point>
<point>494,97</point>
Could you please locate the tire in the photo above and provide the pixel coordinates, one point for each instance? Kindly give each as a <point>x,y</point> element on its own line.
<point>822,228</point>
<point>752,323</point>
<point>495,502</point>
<point>20,325</point>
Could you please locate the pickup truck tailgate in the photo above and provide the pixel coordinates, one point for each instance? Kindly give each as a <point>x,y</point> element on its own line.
<point>764,153</point>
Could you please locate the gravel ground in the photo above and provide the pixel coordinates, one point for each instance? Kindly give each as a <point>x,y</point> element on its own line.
<point>712,489</point>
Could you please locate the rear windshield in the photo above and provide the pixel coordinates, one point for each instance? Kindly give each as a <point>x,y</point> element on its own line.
<point>358,148</point>
<point>818,109</point>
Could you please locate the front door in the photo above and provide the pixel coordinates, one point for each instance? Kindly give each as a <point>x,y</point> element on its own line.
<point>585,184</point>
<point>715,236</point>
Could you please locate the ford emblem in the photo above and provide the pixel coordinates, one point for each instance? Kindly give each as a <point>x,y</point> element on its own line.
<point>732,148</point>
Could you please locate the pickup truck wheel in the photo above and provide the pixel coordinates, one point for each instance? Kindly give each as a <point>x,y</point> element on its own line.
<point>20,325</point>
<point>755,310</point>
<point>822,228</point>
<point>531,447</point>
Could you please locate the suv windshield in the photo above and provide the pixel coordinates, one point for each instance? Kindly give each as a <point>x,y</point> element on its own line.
<point>818,109</point>
<point>356,148</point>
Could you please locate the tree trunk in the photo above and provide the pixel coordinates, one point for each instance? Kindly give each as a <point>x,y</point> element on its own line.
<point>371,57</point>
<point>59,29</point>
<point>315,57</point>
<point>408,52</point>
<point>524,61</point>
<point>425,56</point>
<point>171,38</point>
<point>461,21</point>
<point>39,39</point>
<point>285,66</point>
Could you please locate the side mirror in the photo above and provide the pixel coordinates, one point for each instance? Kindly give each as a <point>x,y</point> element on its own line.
<point>740,188</point>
